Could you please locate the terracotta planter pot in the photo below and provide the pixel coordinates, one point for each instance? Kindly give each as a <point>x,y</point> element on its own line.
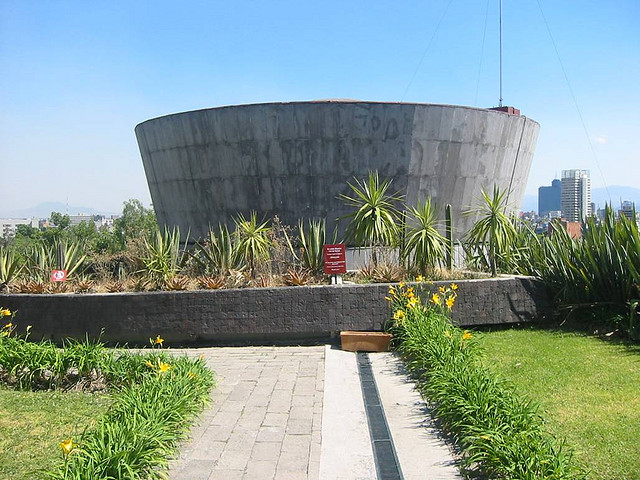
<point>365,341</point>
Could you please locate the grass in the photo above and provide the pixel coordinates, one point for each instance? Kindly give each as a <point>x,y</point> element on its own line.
<point>587,388</point>
<point>32,424</point>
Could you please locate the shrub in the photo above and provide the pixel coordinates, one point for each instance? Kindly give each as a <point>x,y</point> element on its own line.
<point>499,433</point>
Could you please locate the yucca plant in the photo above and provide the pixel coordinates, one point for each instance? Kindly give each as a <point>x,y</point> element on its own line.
<point>297,277</point>
<point>424,246</point>
<point>218,254</point>
<point>164,256</point>
<point>491,239</point>
<point>311,242</point>
<point>10,267</point>
<point>376,220</point>
<point>211,283</point>
<point>252,240</point>
<point>176,283</point>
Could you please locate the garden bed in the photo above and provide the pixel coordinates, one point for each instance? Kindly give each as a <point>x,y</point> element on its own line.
<point>260,315</point>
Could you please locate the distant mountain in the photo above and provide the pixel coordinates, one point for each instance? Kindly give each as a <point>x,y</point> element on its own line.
<point>614,195</point>
<point>43,210</point>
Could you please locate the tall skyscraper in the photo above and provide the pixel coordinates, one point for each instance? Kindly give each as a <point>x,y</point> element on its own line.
<point>550,198</point>
<point>576,195</point>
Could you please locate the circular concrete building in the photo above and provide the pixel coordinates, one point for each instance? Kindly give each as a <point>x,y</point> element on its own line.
<point>294,159</point>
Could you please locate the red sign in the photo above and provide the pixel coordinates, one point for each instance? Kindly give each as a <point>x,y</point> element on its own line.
<point>59,276</point>
<point>335,259</point>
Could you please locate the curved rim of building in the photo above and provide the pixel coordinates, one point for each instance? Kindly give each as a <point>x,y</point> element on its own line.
<point>330,101</point>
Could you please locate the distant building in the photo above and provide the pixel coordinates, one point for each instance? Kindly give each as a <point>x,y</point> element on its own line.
<point>80,218</point>
<point>574,229</point>
<point>628,209</point>
<point>8,225</point>
<point>576,195</point>
<point>549,198</point>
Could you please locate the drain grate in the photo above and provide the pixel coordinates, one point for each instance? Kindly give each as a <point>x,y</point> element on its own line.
<point>384,452</point>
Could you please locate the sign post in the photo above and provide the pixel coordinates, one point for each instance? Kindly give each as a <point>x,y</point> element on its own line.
<point>335,261</point>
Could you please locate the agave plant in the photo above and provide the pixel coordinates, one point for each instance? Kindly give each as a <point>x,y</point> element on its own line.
<point>10,267</point>
<point>492,237</point>
<point>164,256</point>
<point>311,242</point>
<point>218,254</point>
<point>252,239</point>
<point>376,219</point>
<point>424,247</point>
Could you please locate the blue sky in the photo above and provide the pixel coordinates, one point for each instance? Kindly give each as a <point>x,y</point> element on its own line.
<point>78,76</point>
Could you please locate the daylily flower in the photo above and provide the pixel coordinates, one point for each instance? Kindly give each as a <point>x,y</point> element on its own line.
<point>466,335</point>
<point>450,301</point>
<point>399,315</point>
<point>454,286</point>
<point>159,340</point>
<point>67,446</point>
<point>441,289</point>
<point>419,278</point>
<point>435,298</point>
<point>8,326</point>
<point>163,367</point>
<point>5,313</point>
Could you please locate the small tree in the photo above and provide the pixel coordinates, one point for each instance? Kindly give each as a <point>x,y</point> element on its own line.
<point>252,239</point>
<point>424,247</point>
<point>376,220</point>
<point>494,232</point>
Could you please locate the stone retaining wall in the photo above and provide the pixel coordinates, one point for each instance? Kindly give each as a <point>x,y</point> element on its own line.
<point>265,315</point>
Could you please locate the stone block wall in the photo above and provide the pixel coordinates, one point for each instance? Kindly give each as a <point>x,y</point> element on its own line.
<point>265,315</point>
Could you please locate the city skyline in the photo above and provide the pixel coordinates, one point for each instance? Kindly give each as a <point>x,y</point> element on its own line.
<point>80,77</point>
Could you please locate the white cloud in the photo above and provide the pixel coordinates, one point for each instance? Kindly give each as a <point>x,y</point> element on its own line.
<point>602,139</point>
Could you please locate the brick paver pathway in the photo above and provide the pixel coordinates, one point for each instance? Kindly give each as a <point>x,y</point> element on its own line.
<point>265,419</point>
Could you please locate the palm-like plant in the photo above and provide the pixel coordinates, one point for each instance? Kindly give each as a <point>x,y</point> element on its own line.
<point>311,243</point>
<point>10,267</point>
<point>376,220</point>
<point>425,246</point>
<point>164,256</point>
<point>494,232</point>
<point>218,254</point>
<point>252,240</point>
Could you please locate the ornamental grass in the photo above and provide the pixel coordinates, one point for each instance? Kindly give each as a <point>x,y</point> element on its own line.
<point>499,433</point>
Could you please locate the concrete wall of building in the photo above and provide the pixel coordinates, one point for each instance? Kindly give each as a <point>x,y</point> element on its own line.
<point>266,315</point>
<point>294,159</point>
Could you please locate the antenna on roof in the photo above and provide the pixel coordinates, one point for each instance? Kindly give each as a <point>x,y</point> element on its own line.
<point>500,102</point>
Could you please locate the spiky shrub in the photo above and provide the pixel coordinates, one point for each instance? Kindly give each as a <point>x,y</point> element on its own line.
<point>211,283</point>
<point>164,256</point>
<point>312,239</point>
<point>599,272</point>
<point>177,283</point>
<point>424,246</point>
<point>297,277</point>
<point>489,242</point>
<point>218,253</point>
<point>375,220</point>
<point>499,433</point>
<point>10,267</point>
<point>252,239</point>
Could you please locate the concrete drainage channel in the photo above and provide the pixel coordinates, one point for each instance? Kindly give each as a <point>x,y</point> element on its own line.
<point>350,440</point>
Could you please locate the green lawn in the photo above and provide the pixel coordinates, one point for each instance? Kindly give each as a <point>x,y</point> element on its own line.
<point>32,424</point>
<point>588,390</point>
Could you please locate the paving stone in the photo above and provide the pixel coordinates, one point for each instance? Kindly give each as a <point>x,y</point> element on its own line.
<point>260,470</point>
<point>269,451</point>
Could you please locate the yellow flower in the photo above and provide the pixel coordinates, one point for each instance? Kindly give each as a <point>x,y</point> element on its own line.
<point>159,340</point>
<point>67,446</point>
<point>454,286</point>
<point>435,298</point>
<point>163,367</point>
<point>392,290</point>
<point>401,284</point>
<point>412,303</point>
<point>466,335</point>
<point>191,375</point>
<point>399,315</point>
<point>5,313</point>
<point>419,278</point>
<point>8,326</point>
<point>441,289</point>
<point>447,333</point>
<point>450,301</point>
<point>148,364</point>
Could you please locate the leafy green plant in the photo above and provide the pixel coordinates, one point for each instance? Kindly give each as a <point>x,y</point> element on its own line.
<point>312,241</point>
<point>10,267</point>
<point>499,433</point>
<point>376,219</point>
<point>424,246</point>
<point>252,239</point>
<point>218,254</point>
<point>164,256</point>
<point>491,238</point>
